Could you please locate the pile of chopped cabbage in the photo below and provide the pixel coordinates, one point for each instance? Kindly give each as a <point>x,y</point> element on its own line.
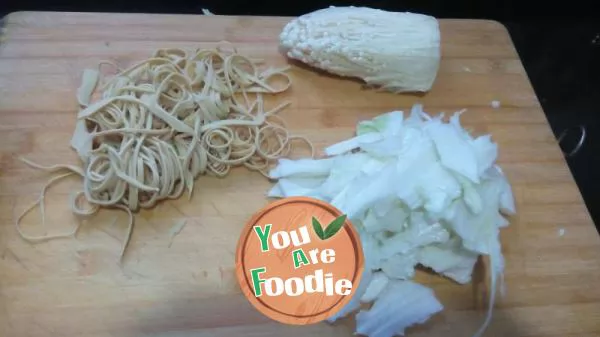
<point>420,191</point>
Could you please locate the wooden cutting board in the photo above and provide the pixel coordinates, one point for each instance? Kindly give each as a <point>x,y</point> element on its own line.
<point>74,287</point>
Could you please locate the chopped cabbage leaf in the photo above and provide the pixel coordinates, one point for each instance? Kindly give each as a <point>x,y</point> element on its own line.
<point>470,195</point>
<point>477,230</point>
<point>485,152</point>
<point>393,221</point>
<point>438,188</point>
<point>399,266</point>
<point>296,186</point>
<point>350,167</point>
<point>449,259</point>
<point>388,123</point>
<point>352,143</point>
<point>401,304</point>
<point>419,190</point>
<point>416,235</point>
<point>354,303</point>
<point>455,152</point>
<point>302,167</point>
<point>375,287</point>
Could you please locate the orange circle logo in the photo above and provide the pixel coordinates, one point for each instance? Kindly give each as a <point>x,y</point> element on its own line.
<point>299,260</point>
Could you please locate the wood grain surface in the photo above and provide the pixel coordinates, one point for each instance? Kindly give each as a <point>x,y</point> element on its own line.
<point>74,287</point>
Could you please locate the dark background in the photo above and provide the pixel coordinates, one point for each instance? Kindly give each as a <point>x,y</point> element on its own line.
<point>558,42</point>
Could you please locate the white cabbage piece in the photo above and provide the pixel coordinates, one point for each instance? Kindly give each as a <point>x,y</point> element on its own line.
<point>406,141</point>
<point>418,234</point>
<point>456,152</point>
<point>481,232</point>
<point>352,143</point>
<point>302,167</point>
<point>449,259</point>
<point>486,153</point>
<point>438,188</point>
<point>400,305</point>
<point>385,206</point>
<point>422,192</point>
<point>354,303</point>
<point>297,186</point>
<point>345,171</point>
<point>276,192</point>
<point>375,188</point>
<point>477,230</point>
<point>378,282</point>
<point>417,116</point>
<point>371,246</point>
<point>496,271</point>
<point>388,123</point>
<point>399,266</point>
<point>507,201</point>
<point>393,221</point>
<point>470,195</point>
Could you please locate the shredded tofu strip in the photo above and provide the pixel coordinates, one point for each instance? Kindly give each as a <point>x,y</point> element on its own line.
<point>161,123</point>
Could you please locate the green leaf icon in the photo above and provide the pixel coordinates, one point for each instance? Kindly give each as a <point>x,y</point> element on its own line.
<point>318,229</point>
<point>331,229</point>
<point>335,226</point>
